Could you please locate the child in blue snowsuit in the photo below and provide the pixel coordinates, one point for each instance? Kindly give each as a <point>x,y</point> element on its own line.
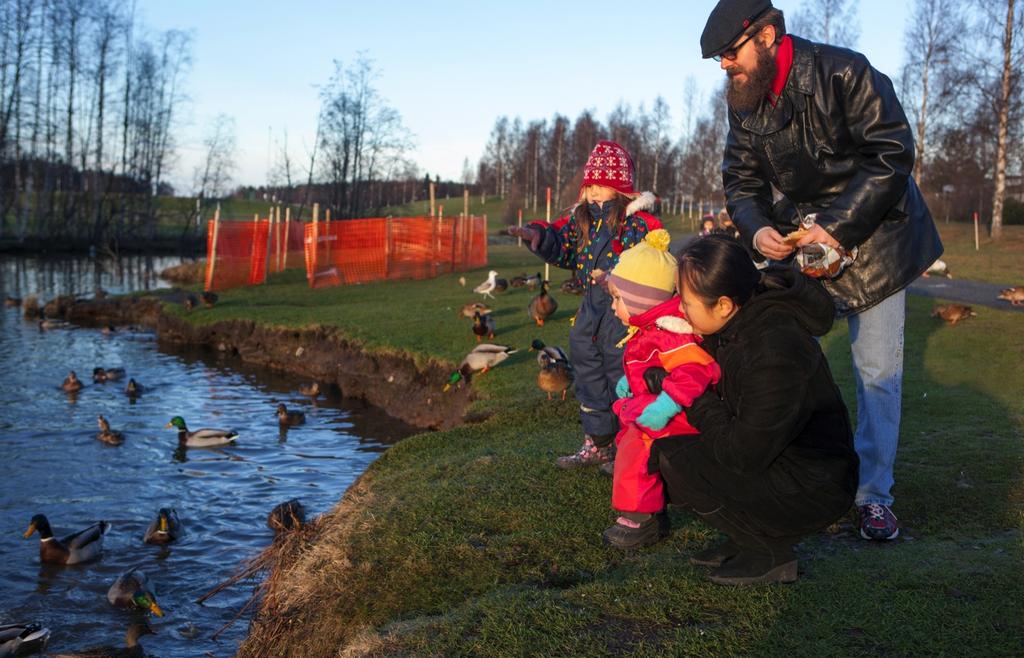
<point>609,218</point>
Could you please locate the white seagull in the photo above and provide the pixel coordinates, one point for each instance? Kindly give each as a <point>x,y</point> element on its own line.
<point>487,286</point>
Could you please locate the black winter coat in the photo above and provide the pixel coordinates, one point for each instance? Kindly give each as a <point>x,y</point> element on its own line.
<point>778,441</point>
<point>838,143</point>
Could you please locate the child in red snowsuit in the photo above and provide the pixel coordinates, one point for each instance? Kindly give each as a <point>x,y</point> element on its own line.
<point>642,287</point>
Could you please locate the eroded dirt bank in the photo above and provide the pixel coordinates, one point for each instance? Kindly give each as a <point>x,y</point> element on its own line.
<point>393,382</point>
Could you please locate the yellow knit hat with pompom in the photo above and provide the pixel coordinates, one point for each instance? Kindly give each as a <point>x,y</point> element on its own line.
<point>646,273</point>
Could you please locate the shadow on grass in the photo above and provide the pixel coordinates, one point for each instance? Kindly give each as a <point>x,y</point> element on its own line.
<point>953,581</point>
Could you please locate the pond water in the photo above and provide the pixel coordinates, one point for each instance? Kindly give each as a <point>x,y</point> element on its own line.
<point>51,463</point>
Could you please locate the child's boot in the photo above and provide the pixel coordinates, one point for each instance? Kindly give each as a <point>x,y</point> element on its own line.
<point>634,530</point>
<point>594,452</point>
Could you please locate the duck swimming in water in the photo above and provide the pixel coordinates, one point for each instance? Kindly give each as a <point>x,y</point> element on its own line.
<point>206,437</point>
<point>77,547</point>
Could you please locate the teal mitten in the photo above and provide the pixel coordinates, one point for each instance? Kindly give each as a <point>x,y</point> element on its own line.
<point>622,389</point>
<point>658,413</point>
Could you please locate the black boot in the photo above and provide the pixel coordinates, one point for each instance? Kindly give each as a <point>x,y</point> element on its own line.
<point>760,560</point>
<point>652,528</point>
<point>750,567</point>
<point>716,555</point>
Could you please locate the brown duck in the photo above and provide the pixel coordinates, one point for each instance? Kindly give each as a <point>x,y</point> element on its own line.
<point>289,515</point>
<point>952,313</point>
<point>107,435</point>
<point>1014,295</point>
<point>555,374</point>
<point>71,383</point>
<point>543,305</point>
<point>81,546</point>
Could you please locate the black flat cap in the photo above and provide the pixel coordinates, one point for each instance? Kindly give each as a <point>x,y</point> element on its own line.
<point>727,22</point>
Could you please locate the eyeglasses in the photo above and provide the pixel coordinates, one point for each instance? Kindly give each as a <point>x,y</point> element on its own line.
<point>734,51</point>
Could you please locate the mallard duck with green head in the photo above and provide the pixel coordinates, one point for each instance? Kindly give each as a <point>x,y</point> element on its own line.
<point>77,547</point>
<point>483,357</point>
<point>107,435</point>
<point>206,437</point>
<point>287,418</point>
<point>131,590</point>
<point>164,529</point>
<point>132,648</point>
<point>22,639</point>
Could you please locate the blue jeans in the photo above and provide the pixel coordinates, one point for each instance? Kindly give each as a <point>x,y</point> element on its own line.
<point>876,337</point>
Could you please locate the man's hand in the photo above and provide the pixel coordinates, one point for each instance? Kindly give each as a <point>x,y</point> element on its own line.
<point>817,235</point>
<point>769,242</point>
<point>528,233</point>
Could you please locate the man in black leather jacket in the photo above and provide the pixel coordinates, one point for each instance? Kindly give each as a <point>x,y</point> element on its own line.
<point>816,130</point>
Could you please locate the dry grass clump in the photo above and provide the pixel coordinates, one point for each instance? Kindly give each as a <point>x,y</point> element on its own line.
<point>186,273</point>
<point>306,572</point>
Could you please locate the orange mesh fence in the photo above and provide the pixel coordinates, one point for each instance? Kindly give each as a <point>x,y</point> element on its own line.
<point>286,246</point>
<point>362,250</point>
<point>229,249</point>
<point>241,253</point>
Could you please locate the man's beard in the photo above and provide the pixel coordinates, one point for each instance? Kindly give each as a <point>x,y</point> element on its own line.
<point>747,96</point>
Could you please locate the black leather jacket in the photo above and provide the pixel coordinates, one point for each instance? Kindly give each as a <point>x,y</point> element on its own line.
<point>837,143</point>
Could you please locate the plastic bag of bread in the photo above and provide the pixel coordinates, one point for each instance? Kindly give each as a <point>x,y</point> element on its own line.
<point>819,260</point>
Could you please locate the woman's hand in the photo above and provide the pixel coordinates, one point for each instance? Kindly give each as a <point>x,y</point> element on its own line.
<point>528,233</point>
<point>654,377</point>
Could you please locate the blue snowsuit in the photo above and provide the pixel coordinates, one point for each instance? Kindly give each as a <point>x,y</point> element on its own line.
<point>596,361</point>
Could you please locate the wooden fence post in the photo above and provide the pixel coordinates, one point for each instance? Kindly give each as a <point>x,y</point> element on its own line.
<point>547,266</point>
<point>431,199</point>
<point>977,245</point>
<point>387,248</point>
<point>520,221</point>
<point>211,258</point>
<point>465,202</point>
<point>287,228</point>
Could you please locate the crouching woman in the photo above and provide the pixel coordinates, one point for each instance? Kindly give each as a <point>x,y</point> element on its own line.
<point>774,460</point>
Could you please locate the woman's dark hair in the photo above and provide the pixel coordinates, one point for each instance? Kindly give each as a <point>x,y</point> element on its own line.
<point>584,219</point>
<point>718,266</point>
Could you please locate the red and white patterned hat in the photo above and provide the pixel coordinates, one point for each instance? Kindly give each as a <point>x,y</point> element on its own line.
<point>611,166</point>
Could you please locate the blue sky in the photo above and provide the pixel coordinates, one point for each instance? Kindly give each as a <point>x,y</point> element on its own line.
<point>450,68</point>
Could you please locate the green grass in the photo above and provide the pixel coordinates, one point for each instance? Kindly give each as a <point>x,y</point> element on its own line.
<point>470,541</point>
<point>999,261</point>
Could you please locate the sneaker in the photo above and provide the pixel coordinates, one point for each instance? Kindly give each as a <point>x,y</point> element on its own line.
<point>589,454</point>
<point>607,468</point>
<point>628,534</point>
<point>878,522</point>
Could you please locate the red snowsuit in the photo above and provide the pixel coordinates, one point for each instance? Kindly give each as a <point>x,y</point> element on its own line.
<point>664,339</point>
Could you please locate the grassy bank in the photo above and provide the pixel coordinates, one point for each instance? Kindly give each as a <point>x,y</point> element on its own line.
<point>995,261</point>
<point>470,541</point>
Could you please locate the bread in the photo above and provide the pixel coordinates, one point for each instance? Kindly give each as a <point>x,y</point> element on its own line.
<point>793,237</point>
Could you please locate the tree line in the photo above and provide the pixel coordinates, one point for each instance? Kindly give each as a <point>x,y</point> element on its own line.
<point>89,101</point>
<point>963,96</point>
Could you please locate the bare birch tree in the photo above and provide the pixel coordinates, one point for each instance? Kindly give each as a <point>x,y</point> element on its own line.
<point>828,21</point>
<point>932,32</point>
